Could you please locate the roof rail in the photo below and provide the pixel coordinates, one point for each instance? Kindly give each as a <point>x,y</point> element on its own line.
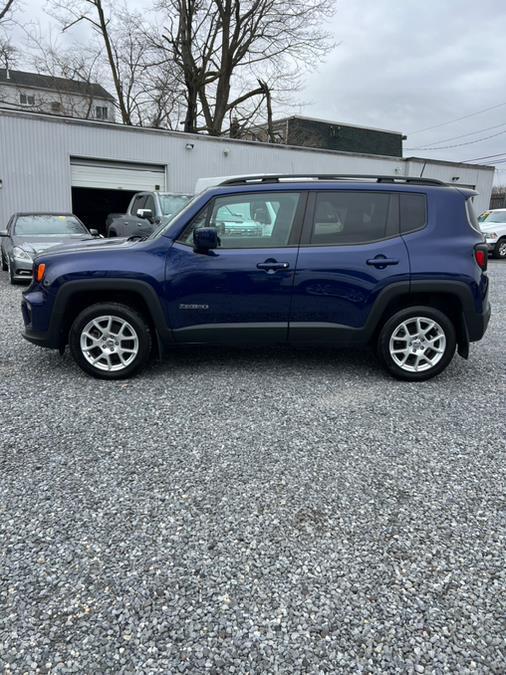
<point>277,178</point>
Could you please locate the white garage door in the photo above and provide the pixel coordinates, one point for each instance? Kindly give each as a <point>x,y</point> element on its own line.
<point>91,173</point>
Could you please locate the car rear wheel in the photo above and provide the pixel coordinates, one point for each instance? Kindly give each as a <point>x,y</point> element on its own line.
<point>500,249</point>
<point>110,341</point>
<point>417,343</point>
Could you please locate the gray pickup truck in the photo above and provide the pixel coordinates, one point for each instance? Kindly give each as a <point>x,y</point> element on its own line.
<point>145,212</point>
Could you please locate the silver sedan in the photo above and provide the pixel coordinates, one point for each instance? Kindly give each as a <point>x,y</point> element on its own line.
<point>28,234</point>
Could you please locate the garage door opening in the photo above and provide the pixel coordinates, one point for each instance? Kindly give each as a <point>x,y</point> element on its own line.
<point>101,187</point>
<point>93,206</point>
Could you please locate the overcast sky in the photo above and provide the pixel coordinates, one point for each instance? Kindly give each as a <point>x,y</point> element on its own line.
<point>407,65</point>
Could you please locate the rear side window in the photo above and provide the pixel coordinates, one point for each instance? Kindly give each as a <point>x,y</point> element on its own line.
<point>412,211</point>
<point>359,217</point>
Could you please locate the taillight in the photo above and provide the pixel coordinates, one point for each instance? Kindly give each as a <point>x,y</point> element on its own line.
<point>481,256</point>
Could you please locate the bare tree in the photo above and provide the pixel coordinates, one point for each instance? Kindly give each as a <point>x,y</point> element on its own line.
<point>142,77</point>
<point>223,46</point>
<point>5,8</point>
<point>47,55</point>
<point>69,13</point>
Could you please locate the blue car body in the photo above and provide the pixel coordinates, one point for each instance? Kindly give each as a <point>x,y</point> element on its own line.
<point>315,294</point>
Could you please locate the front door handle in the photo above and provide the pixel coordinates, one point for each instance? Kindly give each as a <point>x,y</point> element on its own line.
<point>381,261</point>
<point>271,265</point>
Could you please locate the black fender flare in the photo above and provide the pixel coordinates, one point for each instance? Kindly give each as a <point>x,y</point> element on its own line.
<point>70,289</point>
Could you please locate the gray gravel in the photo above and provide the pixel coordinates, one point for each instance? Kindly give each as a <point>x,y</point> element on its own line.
<point>268,512</point>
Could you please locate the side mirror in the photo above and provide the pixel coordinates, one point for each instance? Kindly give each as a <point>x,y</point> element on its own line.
<point>205,238</point>
<point>4,233</point>
<point>94,233</point>
<point>145,213</point>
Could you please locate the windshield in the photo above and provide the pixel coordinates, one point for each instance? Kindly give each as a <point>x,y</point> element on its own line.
<point>165,226</point>
<point>498,217</point>
<point>172,204</point>
<point>46,225</point>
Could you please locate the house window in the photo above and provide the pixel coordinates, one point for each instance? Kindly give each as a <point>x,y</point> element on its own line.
<point>25,99</point>
<point>101,112</point>
<point>56,107</point>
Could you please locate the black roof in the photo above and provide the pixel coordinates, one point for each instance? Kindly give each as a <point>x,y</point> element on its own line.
<point>22,79</point>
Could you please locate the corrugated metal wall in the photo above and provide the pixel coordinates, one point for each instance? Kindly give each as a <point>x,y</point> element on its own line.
<point>35,152</point>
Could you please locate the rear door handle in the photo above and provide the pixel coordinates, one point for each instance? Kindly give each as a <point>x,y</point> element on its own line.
<point>272,265</point>
<point>380,261</point>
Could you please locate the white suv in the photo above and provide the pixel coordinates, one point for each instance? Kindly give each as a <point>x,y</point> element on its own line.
<point>493,226</point>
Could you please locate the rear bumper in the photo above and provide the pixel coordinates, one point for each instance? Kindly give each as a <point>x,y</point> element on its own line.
<point>477,323</point>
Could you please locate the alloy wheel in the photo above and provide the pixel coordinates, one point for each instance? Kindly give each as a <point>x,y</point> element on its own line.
<point>109,343</point>
<point>417,344</point>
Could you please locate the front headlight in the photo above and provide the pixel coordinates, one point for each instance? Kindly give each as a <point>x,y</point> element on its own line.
<point>20,254</point>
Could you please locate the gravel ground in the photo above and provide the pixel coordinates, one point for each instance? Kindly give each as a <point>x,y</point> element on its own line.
<point>276,512</point>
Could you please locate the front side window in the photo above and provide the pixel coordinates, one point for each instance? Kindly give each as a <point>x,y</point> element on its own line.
<point>139,203</point>
<point>150,204</point>
<point>252,220</point>
<point>359,217</point>
<point>45,225</point>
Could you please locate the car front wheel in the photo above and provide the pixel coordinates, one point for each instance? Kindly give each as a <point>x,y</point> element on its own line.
<point>417,343</point>
<point>110,341</point>
<point>4,262</point>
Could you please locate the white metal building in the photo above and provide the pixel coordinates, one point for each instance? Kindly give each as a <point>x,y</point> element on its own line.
<point>93,168</point>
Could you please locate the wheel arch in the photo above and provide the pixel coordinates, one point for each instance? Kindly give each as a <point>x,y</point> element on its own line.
<point>74,296</point>
<point>452,298</point>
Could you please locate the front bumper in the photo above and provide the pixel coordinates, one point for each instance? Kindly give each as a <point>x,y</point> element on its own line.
<point>37,329</point>
<point>21,269</point>
<point>39,339</point>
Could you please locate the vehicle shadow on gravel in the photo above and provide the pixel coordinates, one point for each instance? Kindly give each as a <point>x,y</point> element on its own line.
<point>282,362</point>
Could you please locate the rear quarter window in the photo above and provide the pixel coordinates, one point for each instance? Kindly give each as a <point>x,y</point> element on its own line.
<point>471,216</point>
<point>412,211</point>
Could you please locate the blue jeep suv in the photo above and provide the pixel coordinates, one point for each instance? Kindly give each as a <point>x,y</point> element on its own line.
<point>396,263</point>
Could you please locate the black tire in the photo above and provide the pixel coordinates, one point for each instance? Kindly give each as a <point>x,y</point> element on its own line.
<point>4,262</point>
<point>444,328</point>
<point>141,343</point>
<point>500,249</point>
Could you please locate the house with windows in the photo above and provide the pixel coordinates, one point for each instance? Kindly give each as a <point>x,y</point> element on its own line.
<point>55,95</point>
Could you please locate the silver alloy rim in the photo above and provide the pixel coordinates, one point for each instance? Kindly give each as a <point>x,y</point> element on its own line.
<point>417,344</point>
<point>502,249</point>
<point>109,343</point>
